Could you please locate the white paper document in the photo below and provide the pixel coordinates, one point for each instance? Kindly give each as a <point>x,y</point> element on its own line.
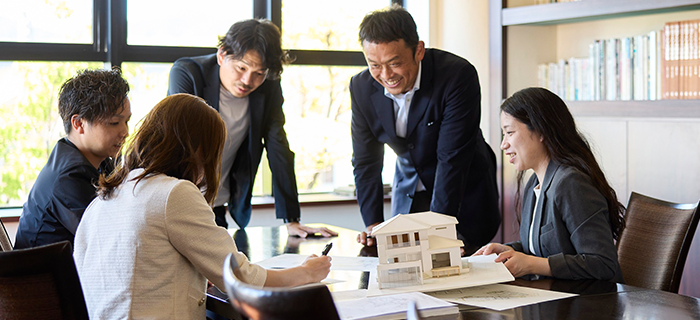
<point>482,271</point>
<point>389,306</point>
<point>499,296</point>
<point>289,260</point>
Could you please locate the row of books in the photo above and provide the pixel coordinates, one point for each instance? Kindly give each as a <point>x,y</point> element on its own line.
<point>662,64</point>
<point>681,63</point>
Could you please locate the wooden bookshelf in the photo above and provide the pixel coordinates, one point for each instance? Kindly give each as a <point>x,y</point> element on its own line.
<point>588,10</point>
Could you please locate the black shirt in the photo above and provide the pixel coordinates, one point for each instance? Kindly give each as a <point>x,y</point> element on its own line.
<point>62,191</point>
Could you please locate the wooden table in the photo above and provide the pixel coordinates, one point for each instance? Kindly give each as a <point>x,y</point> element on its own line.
<point>598,300</point>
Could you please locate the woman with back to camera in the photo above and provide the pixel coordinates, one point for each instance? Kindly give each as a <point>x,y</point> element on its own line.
<point>570,216</point>
<point>144,246</point>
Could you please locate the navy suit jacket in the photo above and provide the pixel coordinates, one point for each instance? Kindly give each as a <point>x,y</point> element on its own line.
<point>572,226</point>
<point>62,191</point>
<point>200,76</point>
<point>443,146</point>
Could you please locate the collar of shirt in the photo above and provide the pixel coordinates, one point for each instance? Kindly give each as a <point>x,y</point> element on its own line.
<point>402,104</point>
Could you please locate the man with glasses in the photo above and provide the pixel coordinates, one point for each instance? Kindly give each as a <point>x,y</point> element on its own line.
<point>241,81</point>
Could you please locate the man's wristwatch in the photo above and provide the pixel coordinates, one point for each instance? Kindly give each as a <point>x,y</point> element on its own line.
<point>288,220</point>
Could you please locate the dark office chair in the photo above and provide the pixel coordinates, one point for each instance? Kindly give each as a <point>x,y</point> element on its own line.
<point>655,242</point>
<point>5,243</point>
<point>306,302</point>
<point>41,283</point>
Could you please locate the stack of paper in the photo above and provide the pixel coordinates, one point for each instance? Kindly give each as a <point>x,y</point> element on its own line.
<point>500,296</point>
<point>352,305</point>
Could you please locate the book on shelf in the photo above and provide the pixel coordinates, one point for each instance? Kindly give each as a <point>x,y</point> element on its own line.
<point>680,63</point>
<point>661,64</point>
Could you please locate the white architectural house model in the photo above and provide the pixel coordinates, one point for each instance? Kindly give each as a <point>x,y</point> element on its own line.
<point>414,246</point>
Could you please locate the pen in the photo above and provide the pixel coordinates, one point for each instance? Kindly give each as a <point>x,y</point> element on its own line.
<point>327,248</point>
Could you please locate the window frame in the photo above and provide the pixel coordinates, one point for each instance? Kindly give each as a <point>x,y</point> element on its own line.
<point>110,46</point>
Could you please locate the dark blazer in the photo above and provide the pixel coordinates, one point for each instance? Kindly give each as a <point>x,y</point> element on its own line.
<point>443,145</point>
<point>572,226</point>
<point>62,191</point>
<point>200,76</point>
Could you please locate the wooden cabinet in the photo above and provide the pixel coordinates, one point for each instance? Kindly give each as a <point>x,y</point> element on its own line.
<point>651,147</point>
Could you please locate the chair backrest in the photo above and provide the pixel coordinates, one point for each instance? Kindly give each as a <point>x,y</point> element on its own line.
<point>654,245</point>
<point>5,243</point>
<point>312,301</point>
<point>41,283</point>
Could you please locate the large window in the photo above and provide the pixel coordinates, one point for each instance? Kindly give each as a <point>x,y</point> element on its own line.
<point>43,43</point>
<point>46,21</point>
<point>181,23</point>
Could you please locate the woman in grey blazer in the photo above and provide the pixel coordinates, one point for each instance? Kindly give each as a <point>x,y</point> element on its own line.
<point>569,213</point>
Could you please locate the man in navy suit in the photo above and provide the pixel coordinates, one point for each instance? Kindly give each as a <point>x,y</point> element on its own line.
<point>241,81</point>
<point>425,104</point>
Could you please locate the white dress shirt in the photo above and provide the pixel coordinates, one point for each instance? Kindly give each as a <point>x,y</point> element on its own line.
<point>402,104</point>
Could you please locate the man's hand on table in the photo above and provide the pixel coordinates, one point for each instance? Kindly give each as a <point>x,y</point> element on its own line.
<point>300,230</point>
<point>366,236</point>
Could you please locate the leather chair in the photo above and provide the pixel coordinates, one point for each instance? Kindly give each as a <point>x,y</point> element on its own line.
<point>312,301</point>
<point>5,243</point>
<point>655,242</point>
<point>41,283</point>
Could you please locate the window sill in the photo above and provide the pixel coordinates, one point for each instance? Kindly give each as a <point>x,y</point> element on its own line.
<point>310,200</point>
<point>11,214</point>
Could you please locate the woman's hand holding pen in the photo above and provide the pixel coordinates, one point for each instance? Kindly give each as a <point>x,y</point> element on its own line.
<point>317,268</point>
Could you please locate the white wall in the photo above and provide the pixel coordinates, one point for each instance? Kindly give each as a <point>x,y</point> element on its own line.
<point>462,27</point>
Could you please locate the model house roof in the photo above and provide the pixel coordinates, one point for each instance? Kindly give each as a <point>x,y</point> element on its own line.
<point>437,242</point>
<point>411,222</point>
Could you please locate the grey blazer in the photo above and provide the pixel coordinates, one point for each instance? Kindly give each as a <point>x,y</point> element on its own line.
<point>572,226</point>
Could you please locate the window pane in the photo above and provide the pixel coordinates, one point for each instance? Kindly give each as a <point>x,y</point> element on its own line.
<point>317,110</point>
<point>29,121</point>
<point>148,84</point>
<point>46,21</point>
<point>182,23</point>
<point>324,25</point>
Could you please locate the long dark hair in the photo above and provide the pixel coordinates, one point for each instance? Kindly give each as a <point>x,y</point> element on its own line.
<point>543,112</point>
<point>181,137</point>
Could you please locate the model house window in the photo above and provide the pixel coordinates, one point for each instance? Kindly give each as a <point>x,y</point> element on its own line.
<point>392,241</point>
<point>441,260</point>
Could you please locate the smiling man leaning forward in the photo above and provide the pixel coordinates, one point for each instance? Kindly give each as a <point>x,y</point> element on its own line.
<point>425,104</point>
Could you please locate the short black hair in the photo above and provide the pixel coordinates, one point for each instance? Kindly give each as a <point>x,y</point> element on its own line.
<point>94,95</point>
<point>260,35</point>
<point>388,25</point>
